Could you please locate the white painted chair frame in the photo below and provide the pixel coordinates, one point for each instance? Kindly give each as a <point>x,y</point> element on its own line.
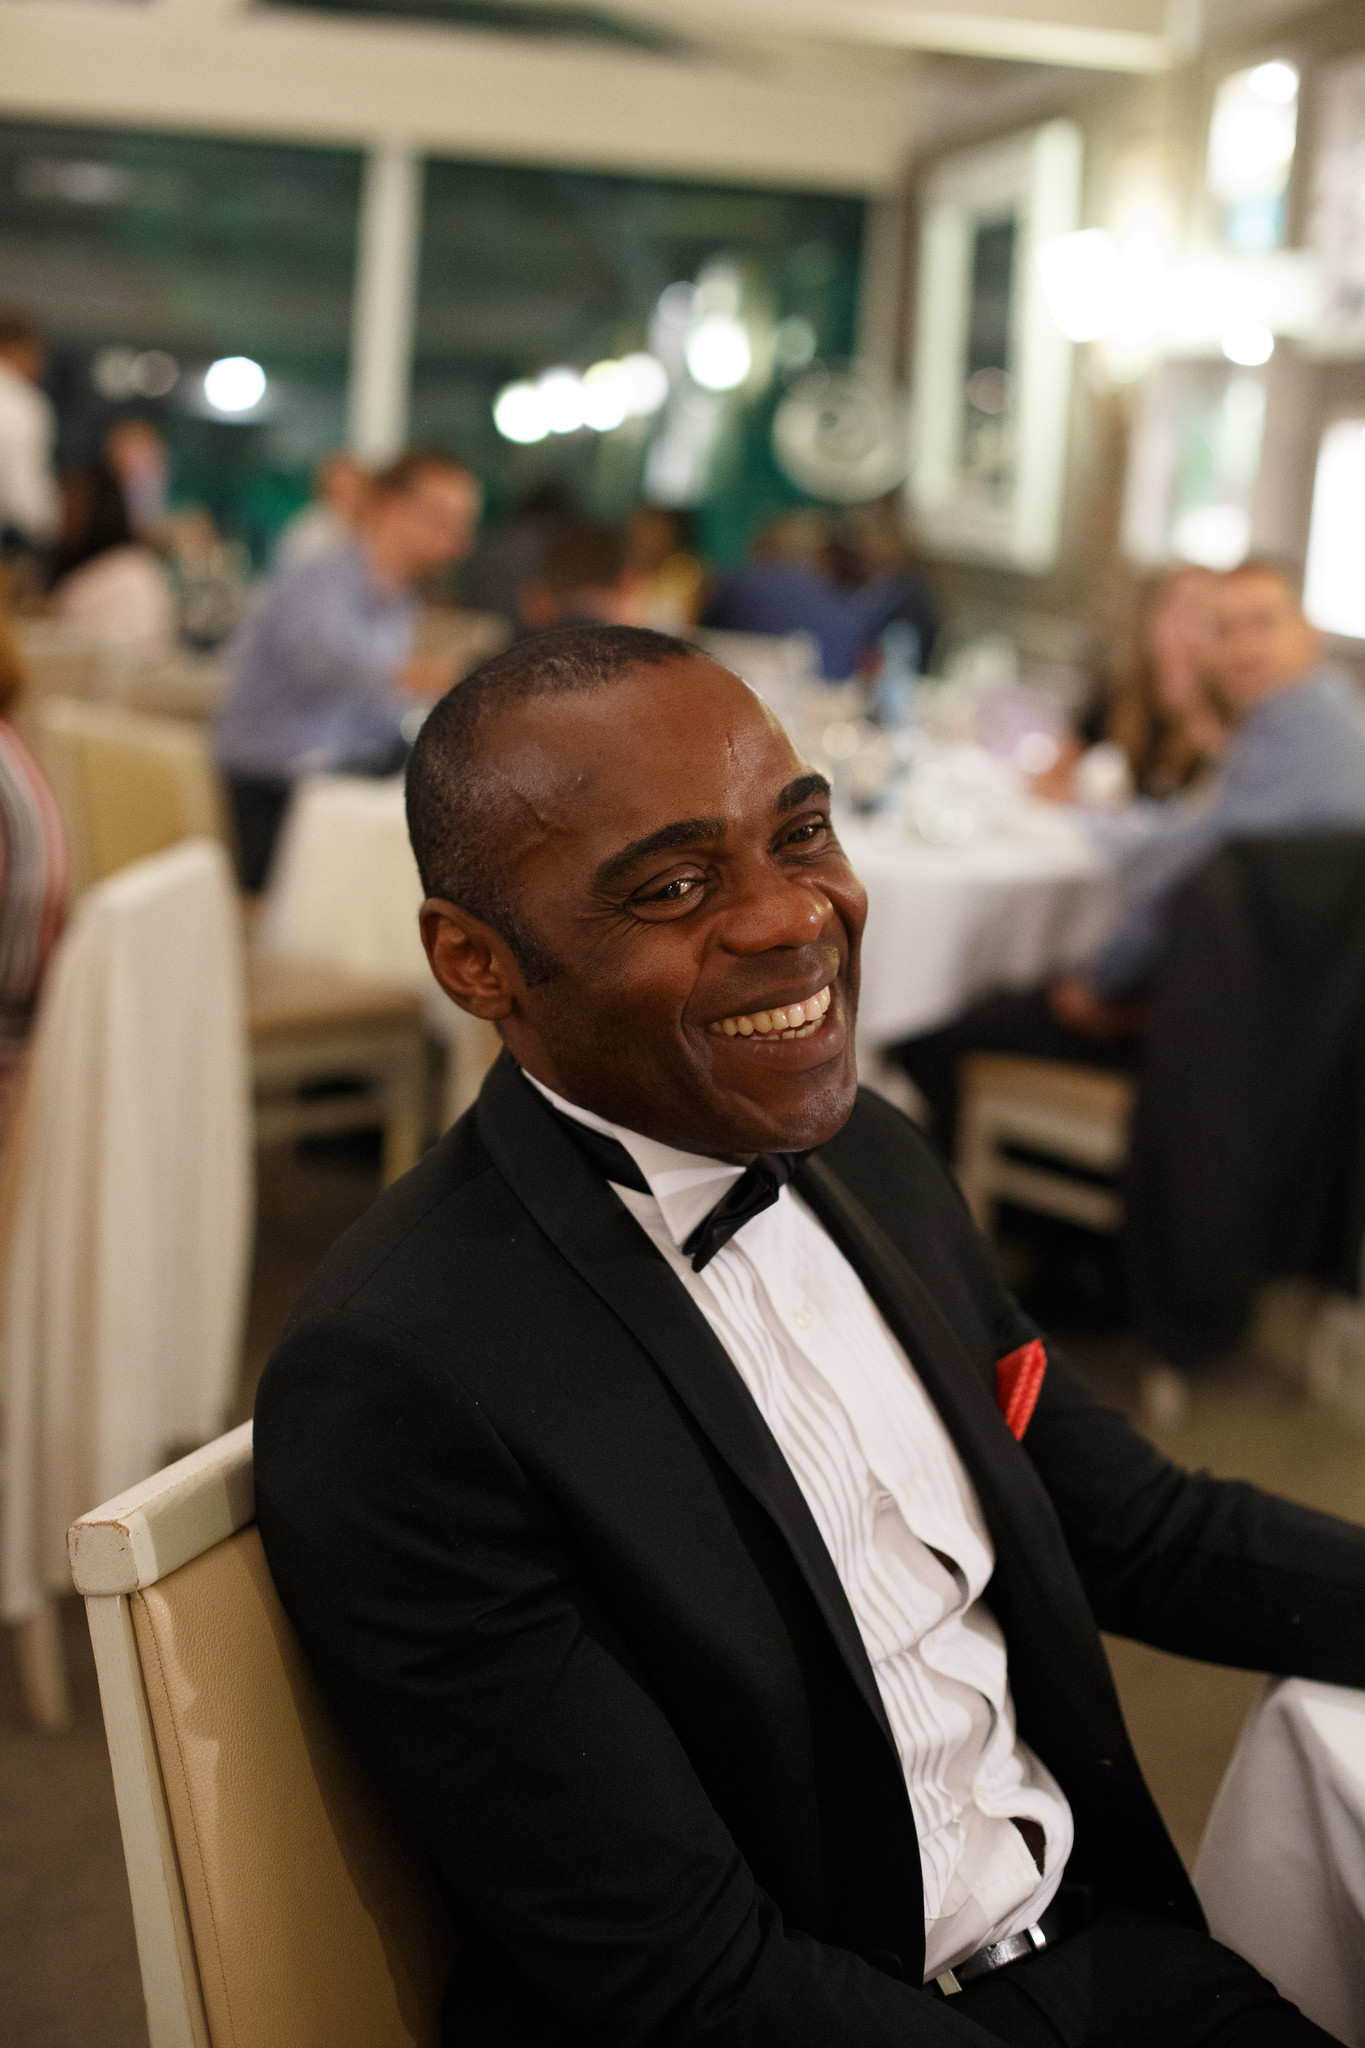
<point>1075,1115</point>
<point>134,1540</point>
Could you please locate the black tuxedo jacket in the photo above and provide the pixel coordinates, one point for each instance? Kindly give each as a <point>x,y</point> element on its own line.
<point>565,1594</point>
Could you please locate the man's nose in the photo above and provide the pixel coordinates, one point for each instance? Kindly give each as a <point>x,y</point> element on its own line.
<point>775,911</point>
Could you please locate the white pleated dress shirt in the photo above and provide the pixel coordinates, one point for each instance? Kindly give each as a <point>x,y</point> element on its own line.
<point>903,1526</point>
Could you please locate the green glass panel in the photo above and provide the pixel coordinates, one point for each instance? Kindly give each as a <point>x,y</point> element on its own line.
<point>205,247</point>
<point>525,268</point>
<point>507,17</point>
<point>201,247</point>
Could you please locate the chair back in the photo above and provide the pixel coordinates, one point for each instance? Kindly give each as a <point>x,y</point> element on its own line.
<point>127,784</point>
<point>126,1265</point>
<point>62,659</point>
<point>275,1897</point>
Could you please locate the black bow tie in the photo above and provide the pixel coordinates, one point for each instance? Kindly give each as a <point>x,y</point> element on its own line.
<point>757,1188</point>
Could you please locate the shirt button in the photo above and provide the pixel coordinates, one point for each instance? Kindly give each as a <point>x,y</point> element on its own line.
<point>802,1318</point>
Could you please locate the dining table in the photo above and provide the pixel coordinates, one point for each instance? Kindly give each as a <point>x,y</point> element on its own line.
<point>1281,1869</point>
<point>946,923</point>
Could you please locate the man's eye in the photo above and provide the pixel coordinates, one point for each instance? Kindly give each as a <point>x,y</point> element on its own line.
<point>805,834</point>
<point>676,891</point>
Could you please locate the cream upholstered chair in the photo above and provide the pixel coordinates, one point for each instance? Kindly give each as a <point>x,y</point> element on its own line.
<point>62,660</point>
<point>128,784</point>
<point>277,1902</point>
<point>126,1244</point>
<point>1070,1123</point>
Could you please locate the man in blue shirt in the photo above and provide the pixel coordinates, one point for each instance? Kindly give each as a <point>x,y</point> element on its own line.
<point>787,586</point>
<point>1296,763</point>
<point>324,676</point>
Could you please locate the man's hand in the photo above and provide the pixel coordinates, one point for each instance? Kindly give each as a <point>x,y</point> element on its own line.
<point>1057,784</point>
<point>1073,1002</point>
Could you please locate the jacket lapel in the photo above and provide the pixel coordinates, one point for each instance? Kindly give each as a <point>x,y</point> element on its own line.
<point>1034,1572</point>
<point>602,1242</point>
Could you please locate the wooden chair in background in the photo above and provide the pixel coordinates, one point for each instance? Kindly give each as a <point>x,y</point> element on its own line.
<point>1045,1135</point>
<point>128,784</point>
<point>274,1896</point>
<point>61,660</point>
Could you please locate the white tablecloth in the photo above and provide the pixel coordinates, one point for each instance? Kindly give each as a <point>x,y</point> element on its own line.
<point>945,923</point>
<point>948,923</point>
<point>1281,1872</point>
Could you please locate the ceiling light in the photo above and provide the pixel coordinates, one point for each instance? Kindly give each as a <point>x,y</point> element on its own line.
<point>79,183</point>
<point>604,398</point>
<point>154,373</point>
<point>718,352</point>
<point>793,343</point>
<point>519,414</point>
<point>561,394</point>
<point>677,303</point>
<point>644,381</point>
<point>1082,283</point>
<point>1276,82</point>
<point>111,373</point>
<point>234,384</point>
<point>1215,536</point>
<point>1248,344</point>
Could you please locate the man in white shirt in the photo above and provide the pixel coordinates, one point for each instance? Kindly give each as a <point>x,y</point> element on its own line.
<point>697,1542</point>
<point>28,486</point>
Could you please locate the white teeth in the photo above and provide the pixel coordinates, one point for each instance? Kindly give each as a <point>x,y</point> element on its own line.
<point>795,1020</point>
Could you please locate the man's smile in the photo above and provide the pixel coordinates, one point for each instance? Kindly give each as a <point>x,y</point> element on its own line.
<point>792,1020</point>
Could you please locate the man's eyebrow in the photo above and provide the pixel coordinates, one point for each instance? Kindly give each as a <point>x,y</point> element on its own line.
<point>698,831</point>
<point>686,832</point>
<point>801,791</point>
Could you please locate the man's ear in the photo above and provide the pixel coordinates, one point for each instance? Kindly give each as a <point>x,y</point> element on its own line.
<point>472,963</point>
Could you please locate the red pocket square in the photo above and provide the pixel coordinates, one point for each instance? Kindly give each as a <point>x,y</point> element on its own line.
<point>1018,1383</point>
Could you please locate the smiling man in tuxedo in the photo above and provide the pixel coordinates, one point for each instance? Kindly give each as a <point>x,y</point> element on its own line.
<point>697,1542</point>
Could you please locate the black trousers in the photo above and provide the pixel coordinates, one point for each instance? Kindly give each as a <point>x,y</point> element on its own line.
<point>1129,1981</point>
<point>259,802</point>
<point>1010,1022</point>
<point>258,806</point>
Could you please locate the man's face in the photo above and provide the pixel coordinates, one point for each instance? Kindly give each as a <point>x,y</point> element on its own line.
<point>430,525</point>
<point>676,860</point>
<point>1261,640</point>
<point>26,359</point>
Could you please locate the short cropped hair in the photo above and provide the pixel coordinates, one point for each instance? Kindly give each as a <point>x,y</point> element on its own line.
<point>1277,567</point>
<point>453,819</point>
<point>18,330</point>
<point>400,475</point>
